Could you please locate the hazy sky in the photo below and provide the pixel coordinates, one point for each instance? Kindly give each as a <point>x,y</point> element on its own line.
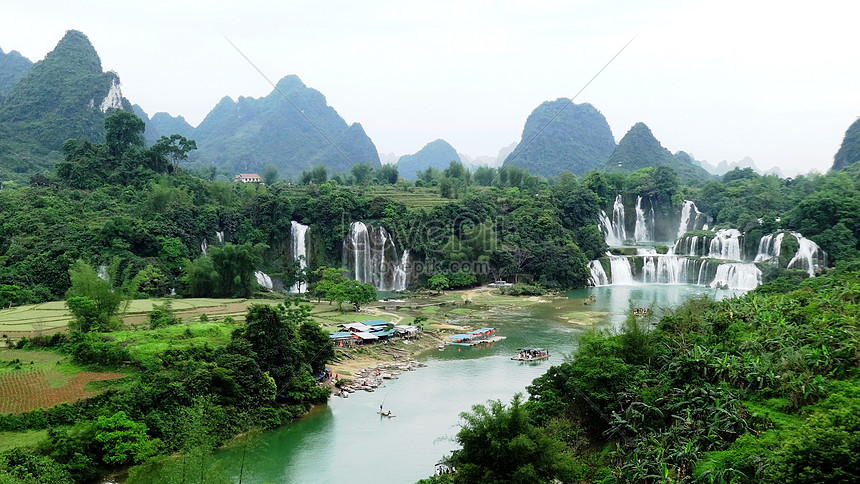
<point>775,80</point>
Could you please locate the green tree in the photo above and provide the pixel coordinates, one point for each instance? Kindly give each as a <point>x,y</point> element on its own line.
<point>356,293</point>
<point>235,265</point>
<point>123,131</point>
<point>361,173</point>
<point>201,278</point>
<point>438,282</point>
<point>175,148</point>
<point>124,440</point>
<point>387,174</point>
<point>498,444</point>
<point>106,299</point>
<point>9,295</point>
<point>269,174</point>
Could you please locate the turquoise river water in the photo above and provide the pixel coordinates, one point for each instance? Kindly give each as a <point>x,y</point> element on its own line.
<point>346,441</point>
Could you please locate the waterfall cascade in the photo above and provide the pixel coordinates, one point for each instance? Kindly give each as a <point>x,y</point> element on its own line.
<point>715,260</point>
<point>644,230</point>
<point>204,247</point>
<point>769,247</point>
<point>691,218</point>
<point>598,275</point>
<point>726,245</point>
<point>371,256</point>
<point>264,280</point>
<point>299,248</point>
<point>808,257</point>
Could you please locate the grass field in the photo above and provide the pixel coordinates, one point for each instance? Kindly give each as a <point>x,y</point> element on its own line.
<point>414,197</point>
<point>27,438</point>
<point>53,316</point>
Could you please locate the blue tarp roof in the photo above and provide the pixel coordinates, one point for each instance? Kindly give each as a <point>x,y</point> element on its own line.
<point>460,336</point>
<point>375,322</point>
<point>382,334</point>
<point>340,334</point>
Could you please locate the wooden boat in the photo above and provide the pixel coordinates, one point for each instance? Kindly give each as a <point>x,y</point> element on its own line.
<point>531,354</point>
<point>386,414</point>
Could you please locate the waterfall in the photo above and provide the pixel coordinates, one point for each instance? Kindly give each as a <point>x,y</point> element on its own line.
<point>598,275</point>
<point>737,276</point>
<point>619,230</point>
<point>691,218</point>
<point>808,257</point>
<point>399,282</point>
<point>103,273</point>
<point>643,231</point>
<point>204,247</point>
<point>263,279</point>
<point>769,248</point>
<point>606,228</point>
<point>371,256</point>
<point>220,237</point>
<point>725,245</point>
<point>622,274</point>
<point>299,248</point>
<point>356,246</point>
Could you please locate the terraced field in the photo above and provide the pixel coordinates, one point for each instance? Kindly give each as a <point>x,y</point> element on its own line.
<point>41,379</point>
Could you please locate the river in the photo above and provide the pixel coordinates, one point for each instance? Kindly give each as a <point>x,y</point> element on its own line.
<point>346,441</point>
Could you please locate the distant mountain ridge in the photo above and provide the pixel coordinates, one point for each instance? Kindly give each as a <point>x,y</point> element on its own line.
<point>12,67</point>
<point>247,134</point>
<point>437,154</point>
<point>640,149</point>
<point>559,135</point>
<point>724,167</point>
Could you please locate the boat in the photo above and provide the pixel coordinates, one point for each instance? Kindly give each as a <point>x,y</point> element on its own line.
<point>386,414</point>
<point>531,354</point>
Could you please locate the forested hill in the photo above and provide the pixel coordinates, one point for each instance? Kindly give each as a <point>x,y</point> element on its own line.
<point>575,138</point>
<point>435,154</point>
<point>62,96</point>
<point>248,134</point>
<point>849,152</point>
<point>12,66</point>
<point>640,149</point>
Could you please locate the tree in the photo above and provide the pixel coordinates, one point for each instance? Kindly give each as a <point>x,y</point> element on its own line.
<point>361,173</point>
<point>356,293</point>
<point>387,174</point>
<point>317,175</point>
<point>175,148</point>
<point>438,282</point>
<point>124,440</point>
<point>123,130</point>
<point>329,279</point>
<point>235,266</point>
<point>500,445</point>
<point>9,295</point>
<point>269,174</point>
<point>201,278</point>
<point>106,299</point>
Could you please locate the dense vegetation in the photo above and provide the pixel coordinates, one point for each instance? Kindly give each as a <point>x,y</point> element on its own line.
<point>186,399</point>
<point>761,388</point>
<point>573,137</point>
